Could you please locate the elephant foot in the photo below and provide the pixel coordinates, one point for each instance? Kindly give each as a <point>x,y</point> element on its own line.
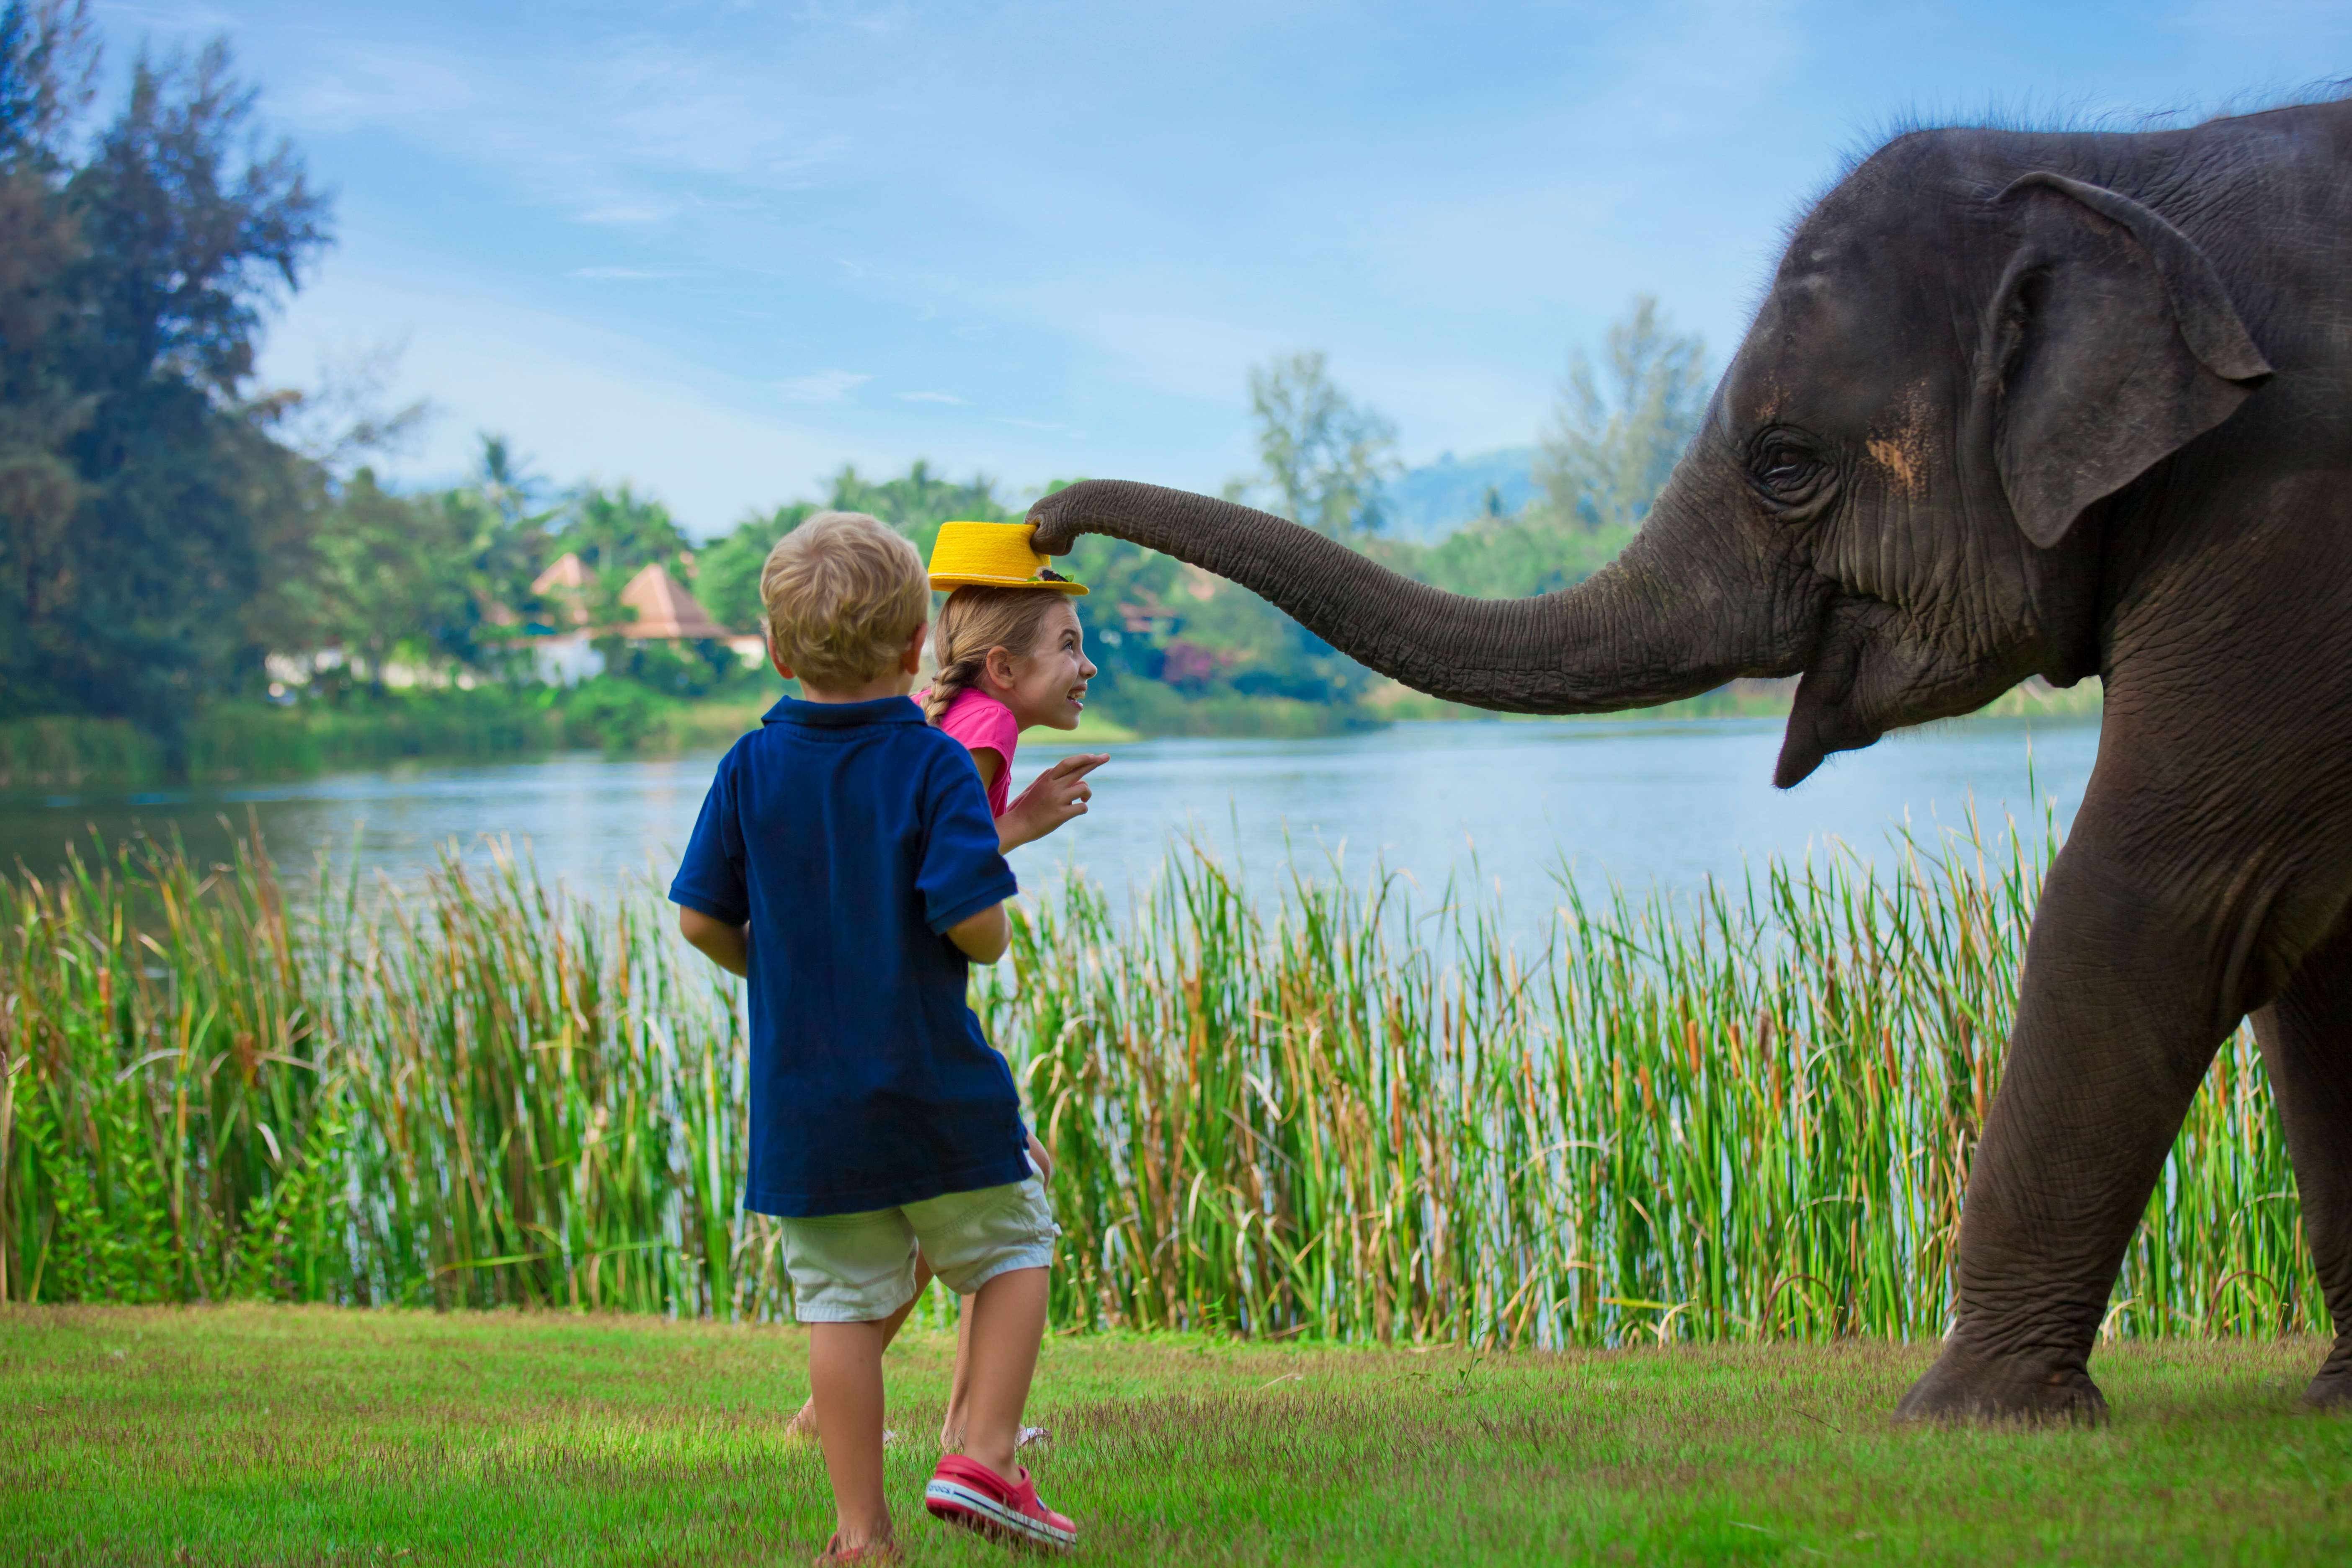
<point>1966,1386</point>
<point>2331,1388</point>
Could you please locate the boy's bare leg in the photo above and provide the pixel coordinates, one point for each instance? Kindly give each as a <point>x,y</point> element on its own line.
<point>845,1384</point>
<point>959,1386</point>
<point>1008,1323</point>
<point>803,1423</point>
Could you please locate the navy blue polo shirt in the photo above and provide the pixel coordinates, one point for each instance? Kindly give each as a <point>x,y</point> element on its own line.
<point>852,836</point>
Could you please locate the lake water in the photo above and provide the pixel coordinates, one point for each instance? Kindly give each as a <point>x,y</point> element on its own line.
<point>1639,803</point>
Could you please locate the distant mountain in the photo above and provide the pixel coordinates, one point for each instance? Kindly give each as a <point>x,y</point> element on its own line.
<point>1425,504</point>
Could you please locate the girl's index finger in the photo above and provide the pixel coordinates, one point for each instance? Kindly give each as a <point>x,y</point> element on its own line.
<point>1079,766</point>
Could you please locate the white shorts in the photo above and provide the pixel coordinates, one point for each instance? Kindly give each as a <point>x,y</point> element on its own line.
<point>858,1268</point>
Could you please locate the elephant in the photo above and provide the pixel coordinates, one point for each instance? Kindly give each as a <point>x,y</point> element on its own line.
<point>2017,403</point>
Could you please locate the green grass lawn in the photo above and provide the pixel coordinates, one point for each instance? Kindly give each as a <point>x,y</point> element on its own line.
<point>283,1435</point>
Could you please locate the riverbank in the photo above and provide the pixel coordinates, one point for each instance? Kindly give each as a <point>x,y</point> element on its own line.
<point>239,742</point>
<point>229,1435</point>
<point>250,742</point>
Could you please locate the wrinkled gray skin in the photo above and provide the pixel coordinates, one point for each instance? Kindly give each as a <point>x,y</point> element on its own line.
<point>2017,402</point>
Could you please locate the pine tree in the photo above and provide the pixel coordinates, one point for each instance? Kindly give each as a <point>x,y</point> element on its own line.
<point>1610,448</point>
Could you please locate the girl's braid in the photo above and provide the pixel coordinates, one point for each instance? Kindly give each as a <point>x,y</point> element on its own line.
<point>951,681</point>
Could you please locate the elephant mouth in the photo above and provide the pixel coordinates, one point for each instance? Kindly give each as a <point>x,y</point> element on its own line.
<point>1824,717</point>
<point>1875,666</point>
<point>1819,716</point>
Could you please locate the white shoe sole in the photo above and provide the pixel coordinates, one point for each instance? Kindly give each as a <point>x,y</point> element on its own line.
<point>977,1507</point>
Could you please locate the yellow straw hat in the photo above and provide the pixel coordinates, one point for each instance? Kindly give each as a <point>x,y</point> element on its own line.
<point>992,555</point>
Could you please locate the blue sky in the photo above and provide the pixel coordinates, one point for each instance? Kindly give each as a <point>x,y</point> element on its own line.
<point>718,249</point>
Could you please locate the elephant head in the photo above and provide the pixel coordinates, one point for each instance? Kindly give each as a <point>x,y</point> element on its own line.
<point>1900,489</point>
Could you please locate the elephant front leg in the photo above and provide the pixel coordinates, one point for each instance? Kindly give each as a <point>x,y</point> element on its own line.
<point>2117,1024</point>
<point>2307,1037</point>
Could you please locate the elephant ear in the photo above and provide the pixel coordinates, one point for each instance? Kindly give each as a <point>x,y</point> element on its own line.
<point>2111,345</point>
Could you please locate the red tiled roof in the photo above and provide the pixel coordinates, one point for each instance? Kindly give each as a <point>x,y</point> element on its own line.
<point>565,586</point>
<point>664,610</point>
<point>568,571</point>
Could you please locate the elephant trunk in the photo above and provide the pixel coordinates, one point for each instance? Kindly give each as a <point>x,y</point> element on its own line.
<point>1638,632</point>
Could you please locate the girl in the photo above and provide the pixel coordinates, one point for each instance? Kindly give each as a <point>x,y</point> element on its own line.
<point>1011,659</point>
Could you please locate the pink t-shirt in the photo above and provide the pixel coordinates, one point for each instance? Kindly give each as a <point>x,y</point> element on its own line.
<point>983,723</point>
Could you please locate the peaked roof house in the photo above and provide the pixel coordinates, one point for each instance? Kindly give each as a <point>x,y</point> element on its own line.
<point>660,610</point>
<point>568,573</point>
<point>564,585</point>
<point>666,612</point>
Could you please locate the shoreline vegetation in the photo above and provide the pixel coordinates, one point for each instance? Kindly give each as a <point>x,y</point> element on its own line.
<point>245,742</point>
<point>1352,1114</point>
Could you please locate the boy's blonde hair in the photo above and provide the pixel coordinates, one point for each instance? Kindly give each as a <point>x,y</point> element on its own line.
<point>844,593</point>
<point>975,620</point>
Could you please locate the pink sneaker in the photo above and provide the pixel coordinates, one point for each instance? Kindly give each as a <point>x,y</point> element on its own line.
<point>967,1492</point>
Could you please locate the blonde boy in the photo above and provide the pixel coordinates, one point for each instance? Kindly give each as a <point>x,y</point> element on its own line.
<point>847,864</point>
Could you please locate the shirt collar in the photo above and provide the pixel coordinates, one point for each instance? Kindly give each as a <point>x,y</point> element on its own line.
<point>880,710</point>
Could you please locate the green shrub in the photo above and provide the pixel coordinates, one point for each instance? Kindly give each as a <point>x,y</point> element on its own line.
<point>69,753</point>
<point>615,715</point>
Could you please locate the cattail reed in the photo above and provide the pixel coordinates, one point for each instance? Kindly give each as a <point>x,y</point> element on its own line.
<point>1745,1115</point>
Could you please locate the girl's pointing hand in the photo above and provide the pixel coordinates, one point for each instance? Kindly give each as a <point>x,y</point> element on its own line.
<point>1055,796</point>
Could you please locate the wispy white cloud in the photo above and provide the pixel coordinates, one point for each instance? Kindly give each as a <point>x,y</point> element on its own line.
<point>581,400</point>
<point>1198,355</point>
<point>360,85</point>
<point>631,214</point>
<point>822,386</point>
<point>206,18</point>
<point>609,126</point>
<point>930,398</point>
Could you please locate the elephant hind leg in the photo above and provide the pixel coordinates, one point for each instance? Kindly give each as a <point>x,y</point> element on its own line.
<point>2306,1039</point>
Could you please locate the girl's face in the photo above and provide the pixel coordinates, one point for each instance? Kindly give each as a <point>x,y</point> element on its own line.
<point>1046,685</point>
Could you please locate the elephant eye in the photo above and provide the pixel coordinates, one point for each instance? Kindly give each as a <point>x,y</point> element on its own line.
<point>1786,469</point>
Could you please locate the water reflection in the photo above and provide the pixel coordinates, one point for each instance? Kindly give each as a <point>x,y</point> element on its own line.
<point>1639,803</point>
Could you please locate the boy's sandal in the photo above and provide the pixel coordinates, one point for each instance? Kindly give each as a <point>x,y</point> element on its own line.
<point>879,1552</point>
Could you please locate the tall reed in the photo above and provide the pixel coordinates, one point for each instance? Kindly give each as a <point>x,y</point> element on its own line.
<point>1334,1114</point>
<point>1742,1117</point>
<point>482,1094</point>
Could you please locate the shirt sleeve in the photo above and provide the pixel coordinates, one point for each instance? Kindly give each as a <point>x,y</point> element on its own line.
<point>984,726</point>
<point>710,875</point>
<point>961,872</point>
